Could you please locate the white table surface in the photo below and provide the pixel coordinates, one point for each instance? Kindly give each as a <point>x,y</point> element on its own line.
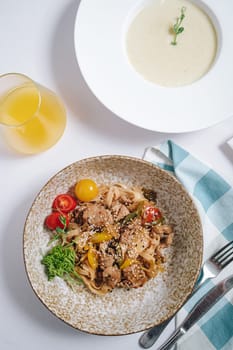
<point>36,38</point>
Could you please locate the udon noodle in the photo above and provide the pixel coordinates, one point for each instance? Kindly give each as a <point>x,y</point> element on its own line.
<point>118,238</point>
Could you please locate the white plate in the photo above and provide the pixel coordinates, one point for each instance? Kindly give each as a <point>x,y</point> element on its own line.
<point>99,45</point>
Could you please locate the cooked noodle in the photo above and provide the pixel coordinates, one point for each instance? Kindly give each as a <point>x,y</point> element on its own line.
<point>118,239</point>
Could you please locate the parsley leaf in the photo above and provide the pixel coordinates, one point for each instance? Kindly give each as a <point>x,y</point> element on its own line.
<point>60,261</point>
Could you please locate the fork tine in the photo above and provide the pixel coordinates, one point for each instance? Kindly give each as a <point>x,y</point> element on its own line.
<point>227,262</point>
<point>224,257</point>
<point>222,251</point>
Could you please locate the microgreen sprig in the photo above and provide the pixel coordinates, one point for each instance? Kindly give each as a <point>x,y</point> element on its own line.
<point>177,29</point>
<point>60,261</point>
<point>60,232</point>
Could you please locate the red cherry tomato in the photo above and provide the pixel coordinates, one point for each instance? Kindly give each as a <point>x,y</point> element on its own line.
<point>55,220</point>
<point>64,203</point>
<point>151,214</point>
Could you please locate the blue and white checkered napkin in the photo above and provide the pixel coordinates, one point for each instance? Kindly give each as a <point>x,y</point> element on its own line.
<point>214,199</point>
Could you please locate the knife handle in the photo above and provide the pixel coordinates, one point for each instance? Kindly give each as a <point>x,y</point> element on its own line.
<point>148,338</point>
<point>201,308</point>
<point>207,301</point>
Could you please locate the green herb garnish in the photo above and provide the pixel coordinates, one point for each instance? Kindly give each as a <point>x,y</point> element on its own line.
<point>63,221</point>
<point>133,214</point>
<point>177,29</point>
<point>158,221</point>
<point>60,261</point>
<point>129,217</point>
<point>60,232</point>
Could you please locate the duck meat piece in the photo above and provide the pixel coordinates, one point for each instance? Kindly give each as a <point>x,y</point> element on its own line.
<point>134,276</point>
<point>97,215</point>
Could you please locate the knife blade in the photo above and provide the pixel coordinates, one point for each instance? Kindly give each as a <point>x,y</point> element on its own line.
<point>199,310</point>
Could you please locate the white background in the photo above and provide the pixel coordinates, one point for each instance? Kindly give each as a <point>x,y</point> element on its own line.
<point>36,39</point>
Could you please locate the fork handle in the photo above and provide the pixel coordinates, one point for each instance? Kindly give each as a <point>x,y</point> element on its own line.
<point>149,337</point>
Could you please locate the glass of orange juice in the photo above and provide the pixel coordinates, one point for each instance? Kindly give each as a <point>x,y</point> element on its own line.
<point>32,117</point>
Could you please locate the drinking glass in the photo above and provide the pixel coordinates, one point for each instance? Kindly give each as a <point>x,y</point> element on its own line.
<point>32,117</point>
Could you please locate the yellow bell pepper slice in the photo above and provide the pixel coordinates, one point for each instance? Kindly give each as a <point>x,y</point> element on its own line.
<point>128,262</point>
<point>92,258</point>
<point>100,237</point>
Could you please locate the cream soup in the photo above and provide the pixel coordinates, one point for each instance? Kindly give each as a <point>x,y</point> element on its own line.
<point>149,38</point>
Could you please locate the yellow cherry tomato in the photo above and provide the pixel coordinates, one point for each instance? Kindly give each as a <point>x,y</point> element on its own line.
<point>86,190</point>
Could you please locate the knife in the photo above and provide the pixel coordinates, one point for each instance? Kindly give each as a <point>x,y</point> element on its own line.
<point>199,310</point>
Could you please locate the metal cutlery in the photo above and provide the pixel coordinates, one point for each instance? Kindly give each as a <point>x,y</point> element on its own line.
<point>211,268</point>
<point>199,310</point>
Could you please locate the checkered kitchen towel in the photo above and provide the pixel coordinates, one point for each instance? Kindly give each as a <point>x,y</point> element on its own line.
<point>214,199</point>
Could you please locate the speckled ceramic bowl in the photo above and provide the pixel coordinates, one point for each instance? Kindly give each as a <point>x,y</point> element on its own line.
<point>122,311</point>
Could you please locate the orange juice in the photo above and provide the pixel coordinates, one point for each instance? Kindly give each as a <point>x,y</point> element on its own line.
<point>34,116</point>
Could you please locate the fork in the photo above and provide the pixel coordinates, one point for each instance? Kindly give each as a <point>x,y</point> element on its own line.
<point>210,269</point>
